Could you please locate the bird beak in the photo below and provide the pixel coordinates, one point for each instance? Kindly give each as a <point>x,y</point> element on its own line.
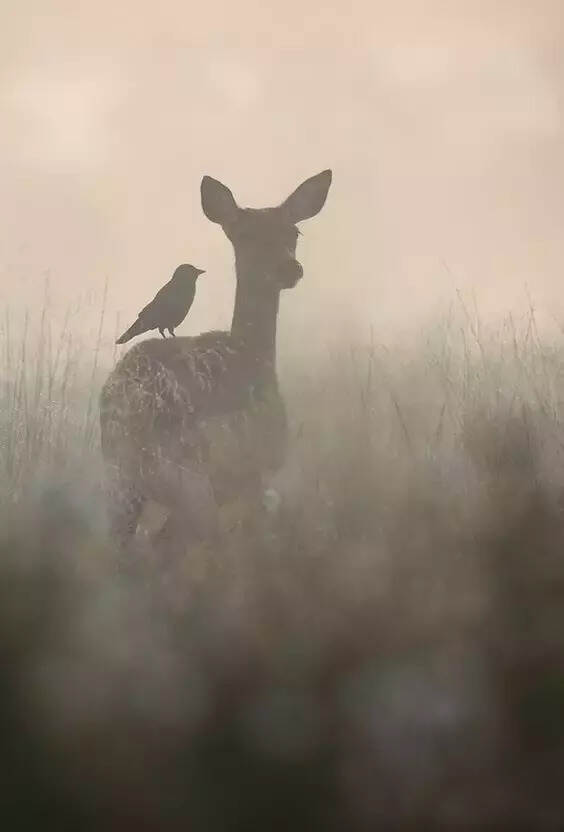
<point>201,271</point>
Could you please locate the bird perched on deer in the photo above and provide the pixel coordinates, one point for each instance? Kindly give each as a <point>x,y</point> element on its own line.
<point>170,305</point>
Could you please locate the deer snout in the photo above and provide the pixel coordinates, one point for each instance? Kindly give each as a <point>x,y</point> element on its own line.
<point>288,273</point>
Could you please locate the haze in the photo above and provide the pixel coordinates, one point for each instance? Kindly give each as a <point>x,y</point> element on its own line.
<point>442,124</point>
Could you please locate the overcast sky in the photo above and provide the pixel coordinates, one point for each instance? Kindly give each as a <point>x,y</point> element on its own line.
<point>442,121</point>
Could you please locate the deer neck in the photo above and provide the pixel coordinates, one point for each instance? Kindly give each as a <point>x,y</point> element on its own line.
<point>254,321</point>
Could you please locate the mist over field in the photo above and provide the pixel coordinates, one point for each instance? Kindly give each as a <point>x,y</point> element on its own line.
<point>443,126</point>
<point>380,642</point>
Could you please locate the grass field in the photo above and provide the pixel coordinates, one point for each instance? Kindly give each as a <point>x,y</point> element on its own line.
<point>385,651</point>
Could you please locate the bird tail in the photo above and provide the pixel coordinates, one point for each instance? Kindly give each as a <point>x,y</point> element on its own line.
<point>135,329</point>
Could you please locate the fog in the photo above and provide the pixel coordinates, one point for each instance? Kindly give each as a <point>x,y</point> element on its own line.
<point>442,124</point>
<point>372,637</point>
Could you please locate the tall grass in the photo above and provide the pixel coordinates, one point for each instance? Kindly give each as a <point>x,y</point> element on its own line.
<point>384,651</point>
<point>49,387</point>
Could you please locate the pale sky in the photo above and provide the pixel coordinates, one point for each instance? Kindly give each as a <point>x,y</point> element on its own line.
<point>442,122</point>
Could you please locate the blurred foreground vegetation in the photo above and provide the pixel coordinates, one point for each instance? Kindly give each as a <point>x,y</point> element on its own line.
<point>385,650</point>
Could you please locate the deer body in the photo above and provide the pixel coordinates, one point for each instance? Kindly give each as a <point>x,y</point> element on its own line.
<point>192,423</point>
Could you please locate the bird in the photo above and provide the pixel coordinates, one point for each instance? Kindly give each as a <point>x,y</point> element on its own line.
<point>170,305</point>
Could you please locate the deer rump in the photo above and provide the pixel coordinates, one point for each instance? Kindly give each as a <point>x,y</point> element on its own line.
<point>191,403</point>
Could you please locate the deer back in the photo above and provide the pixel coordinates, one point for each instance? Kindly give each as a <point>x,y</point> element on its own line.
<point>195,401</point>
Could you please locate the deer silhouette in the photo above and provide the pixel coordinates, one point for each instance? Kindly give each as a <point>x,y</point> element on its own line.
<point>193,422</point>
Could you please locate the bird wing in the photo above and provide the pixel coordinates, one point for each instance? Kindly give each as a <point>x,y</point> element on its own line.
<point>169,306</point>
<point>155,303</point>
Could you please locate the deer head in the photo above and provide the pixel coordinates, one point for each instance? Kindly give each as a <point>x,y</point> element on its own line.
<point>265,239</point>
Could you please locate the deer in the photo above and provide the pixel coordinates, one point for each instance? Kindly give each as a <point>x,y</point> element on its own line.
<point>196,421</point>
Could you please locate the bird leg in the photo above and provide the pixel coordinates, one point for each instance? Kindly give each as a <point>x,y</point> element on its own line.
<point>171,331</point>
<point>161,330</point>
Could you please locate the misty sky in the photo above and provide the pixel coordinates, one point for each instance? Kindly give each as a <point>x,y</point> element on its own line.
<point>442,121</point>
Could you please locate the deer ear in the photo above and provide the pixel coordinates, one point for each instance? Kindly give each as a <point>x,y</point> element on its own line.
<point>309,198</point>
<point>218,203</point>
